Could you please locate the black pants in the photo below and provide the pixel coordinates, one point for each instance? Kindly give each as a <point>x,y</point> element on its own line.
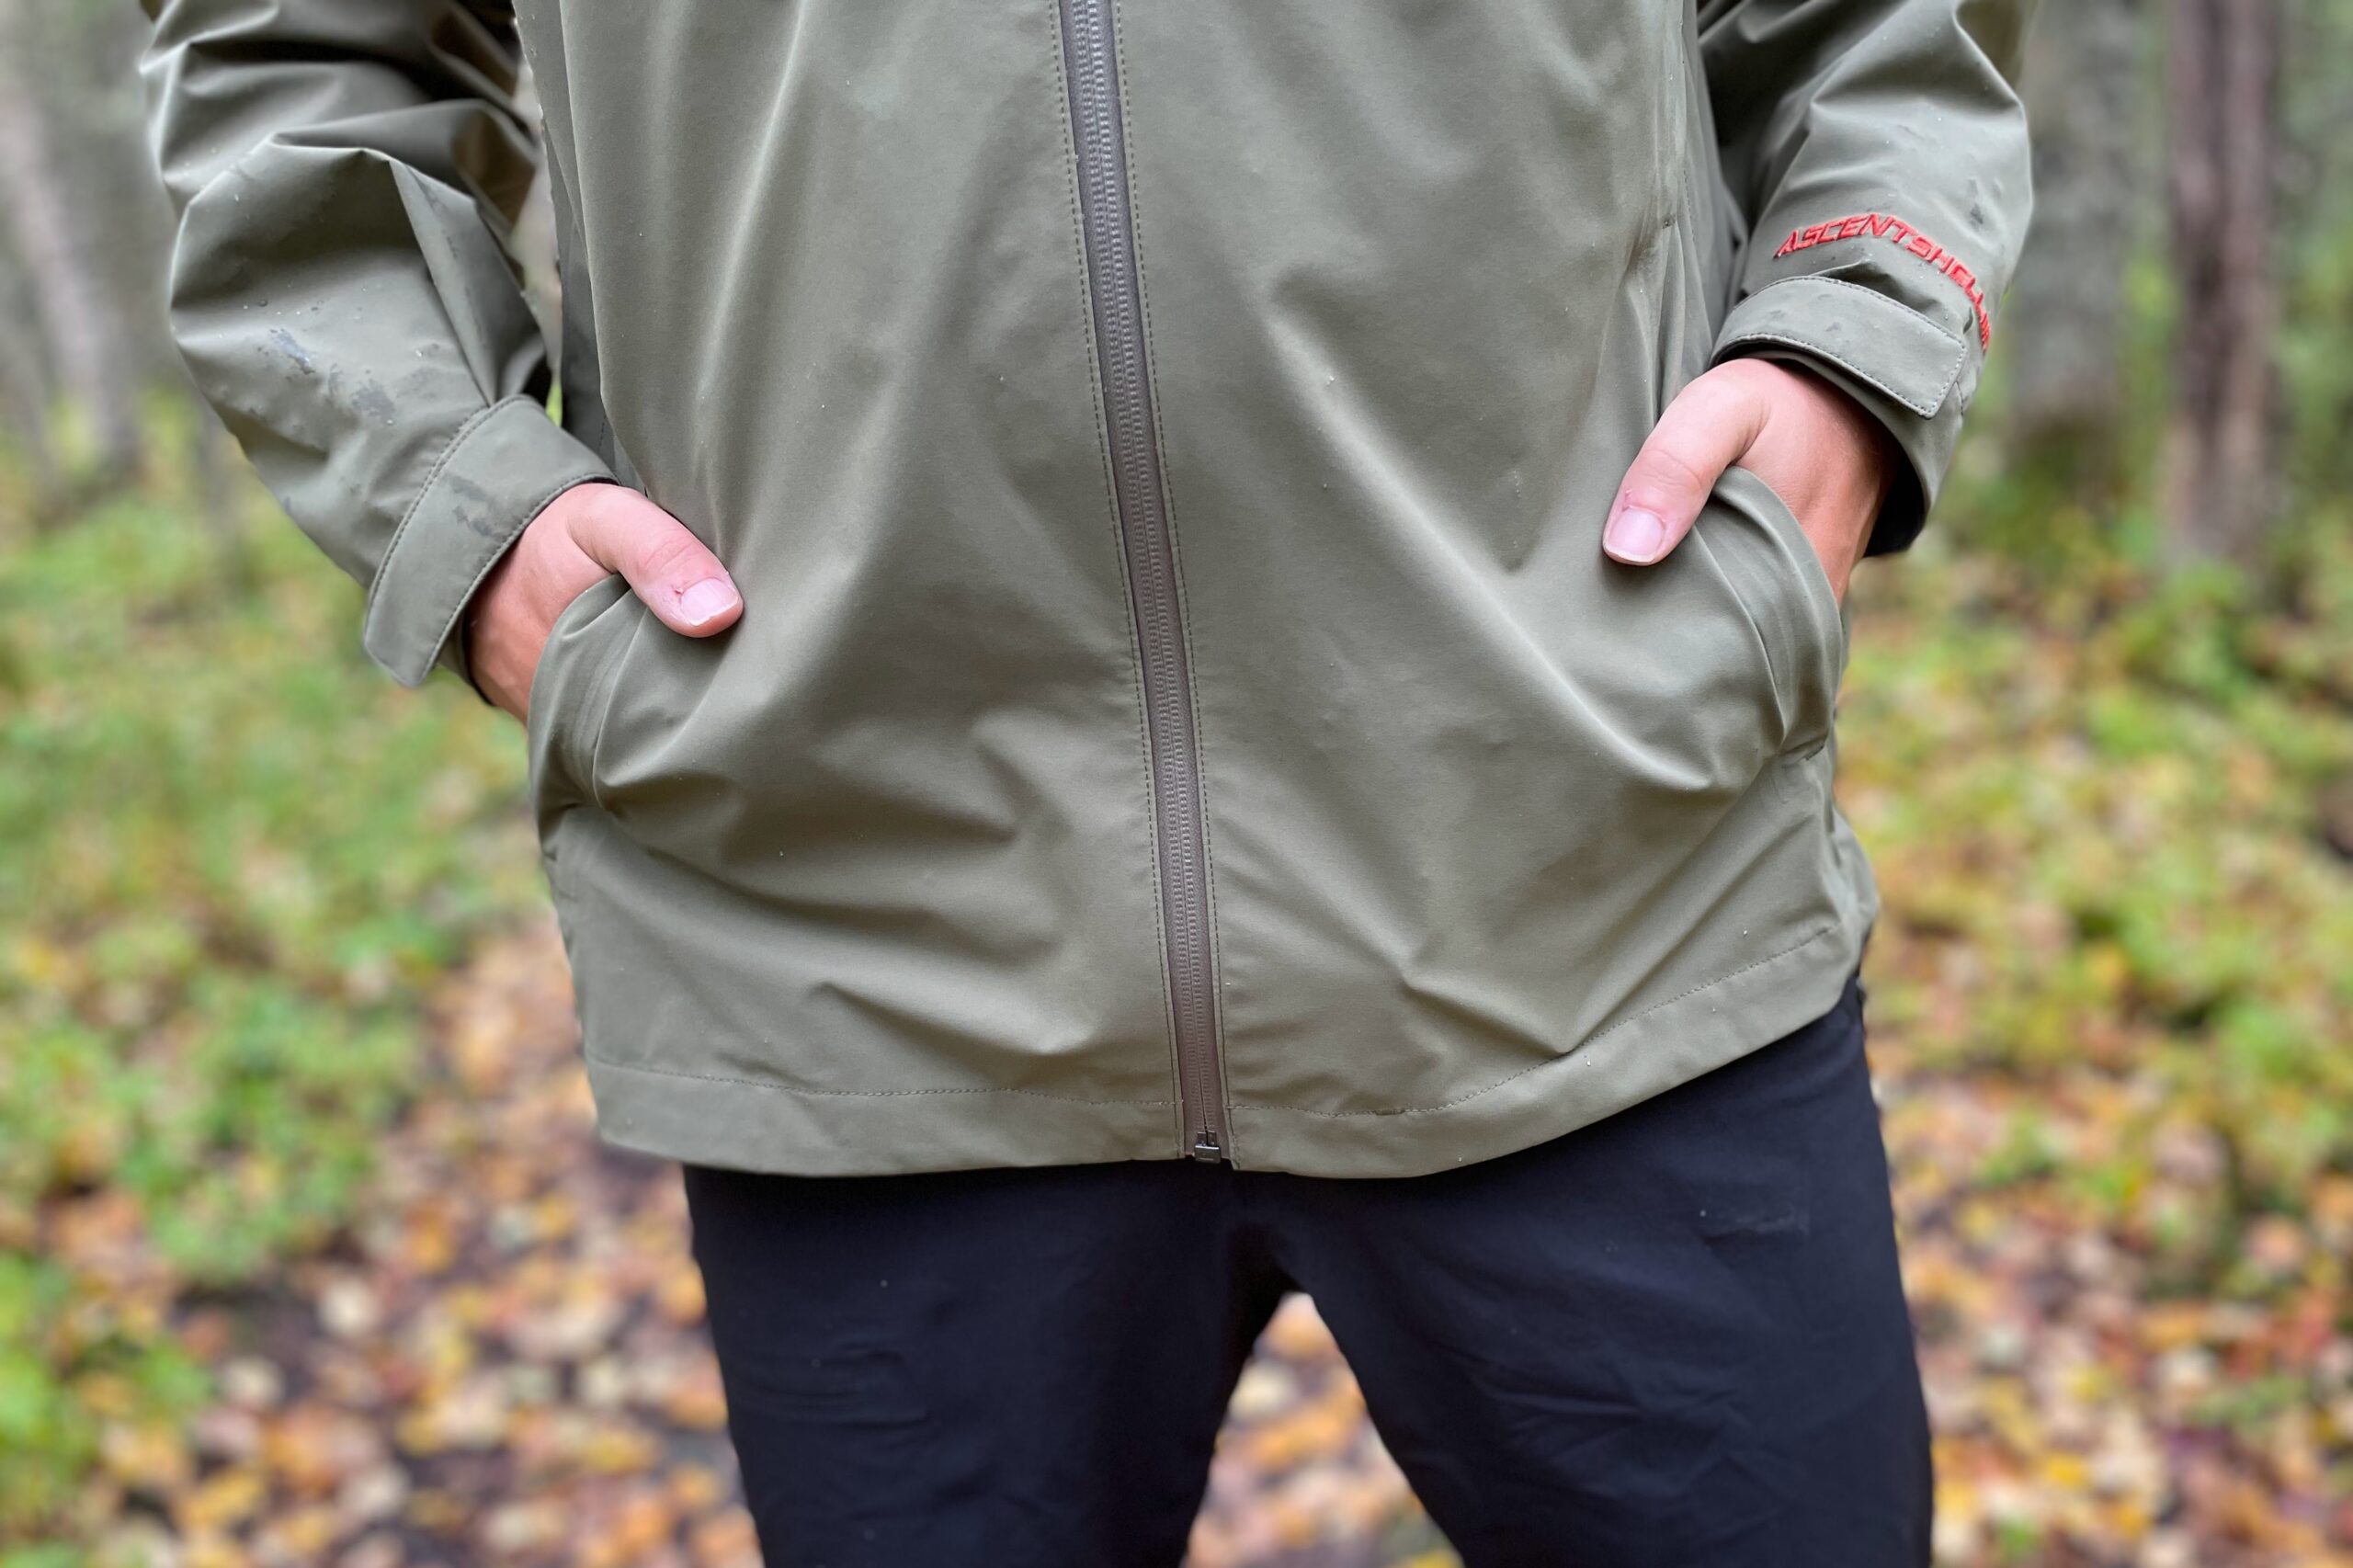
<point>1677,1338</point>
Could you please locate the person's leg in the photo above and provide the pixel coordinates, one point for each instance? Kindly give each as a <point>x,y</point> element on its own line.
<point>1677,1338</point>
<point>980,1368</point>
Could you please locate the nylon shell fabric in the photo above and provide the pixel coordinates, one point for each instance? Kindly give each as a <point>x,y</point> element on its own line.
<point>1501,837</point>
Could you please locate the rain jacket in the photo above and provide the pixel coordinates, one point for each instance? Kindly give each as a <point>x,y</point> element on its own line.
<point>1181,706</point>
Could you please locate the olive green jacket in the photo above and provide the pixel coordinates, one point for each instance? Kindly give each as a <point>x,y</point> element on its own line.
<point>1181,705</point>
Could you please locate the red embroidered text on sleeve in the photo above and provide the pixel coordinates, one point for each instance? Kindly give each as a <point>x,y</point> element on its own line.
<point>1879,225</point>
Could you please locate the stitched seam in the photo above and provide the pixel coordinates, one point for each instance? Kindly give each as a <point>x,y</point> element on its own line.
<point>611,1065</point>
<point>1793,340</point>
<point>1096,400</point>
<point>1590,1043</point>
<point>1177,563</point>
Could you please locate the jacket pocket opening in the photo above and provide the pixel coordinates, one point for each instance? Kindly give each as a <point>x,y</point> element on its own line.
<point>1782,586</point>
<point>570,690</point>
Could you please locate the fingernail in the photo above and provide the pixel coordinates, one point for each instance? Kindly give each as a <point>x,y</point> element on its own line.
<point>1638,536</point>
<point>707,600</point>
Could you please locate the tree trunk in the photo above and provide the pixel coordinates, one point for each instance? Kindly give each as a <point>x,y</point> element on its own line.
<point>2220,472</point>
<point>87,341</point>
<point>24,398</point>
<point>2094,180</point>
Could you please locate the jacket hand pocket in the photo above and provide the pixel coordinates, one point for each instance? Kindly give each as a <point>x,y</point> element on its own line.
<point>569,691</point>
<point>1771,564</point>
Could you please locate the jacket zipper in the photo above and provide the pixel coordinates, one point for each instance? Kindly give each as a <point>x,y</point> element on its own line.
<point>1091,61</point>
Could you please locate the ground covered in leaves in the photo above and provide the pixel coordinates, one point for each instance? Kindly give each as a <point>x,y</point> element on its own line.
<point>504,1363</point>
<point>308,1255</point>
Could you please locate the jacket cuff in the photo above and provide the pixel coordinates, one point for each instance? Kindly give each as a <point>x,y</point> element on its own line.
<point>500,471</point>
<point>1906,370</point>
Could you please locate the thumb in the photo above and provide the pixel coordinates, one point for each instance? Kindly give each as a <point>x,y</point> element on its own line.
<point>1704,432</point>
<point>675,572</point>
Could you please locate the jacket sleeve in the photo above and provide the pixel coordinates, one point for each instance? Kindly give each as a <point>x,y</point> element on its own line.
<point>346,174</point>
<point>1874,155</point>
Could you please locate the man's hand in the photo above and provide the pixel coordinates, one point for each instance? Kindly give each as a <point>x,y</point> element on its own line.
<point>1826,457</point>
<point>585,535</point>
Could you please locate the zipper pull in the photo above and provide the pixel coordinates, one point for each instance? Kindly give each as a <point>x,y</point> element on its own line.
<point>1206,1146</point>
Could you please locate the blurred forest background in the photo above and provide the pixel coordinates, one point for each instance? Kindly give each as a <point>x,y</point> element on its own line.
<point>306,1253</point>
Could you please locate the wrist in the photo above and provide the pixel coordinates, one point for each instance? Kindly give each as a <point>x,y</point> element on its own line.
<point>1884,479</point>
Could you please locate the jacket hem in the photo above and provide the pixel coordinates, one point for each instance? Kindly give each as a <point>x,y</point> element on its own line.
<point>1633,1060</point>
<point>751,1124</point>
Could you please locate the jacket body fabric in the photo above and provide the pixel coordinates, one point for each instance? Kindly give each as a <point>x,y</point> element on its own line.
<point>1181,707</point>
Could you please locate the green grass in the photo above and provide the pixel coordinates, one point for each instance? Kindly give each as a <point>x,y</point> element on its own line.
<point>232,857</point>
<point>2096,809</point>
